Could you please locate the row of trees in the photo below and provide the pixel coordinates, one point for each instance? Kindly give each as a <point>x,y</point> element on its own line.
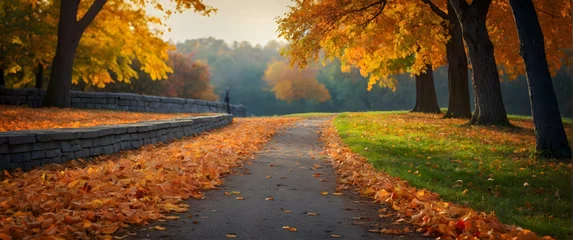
<point>241,67</point>
<point>384,38</point>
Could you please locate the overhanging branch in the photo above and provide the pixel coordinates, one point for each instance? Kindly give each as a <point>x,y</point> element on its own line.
<point>90,15</point>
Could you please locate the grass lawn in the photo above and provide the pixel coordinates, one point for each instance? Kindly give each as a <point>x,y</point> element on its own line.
<point>496,165</point>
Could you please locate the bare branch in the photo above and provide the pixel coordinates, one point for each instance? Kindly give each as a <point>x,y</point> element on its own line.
<point>436,9</point>
<point>382,6</point>
<point>543,11</point>
<point>95,8</point>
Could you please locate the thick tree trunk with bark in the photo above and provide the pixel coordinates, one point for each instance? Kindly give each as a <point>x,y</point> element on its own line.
<point>489,102</point>
<point>70,31</point>
<point>426,100</point>
<point>550,137</point>
<point>459,94</point>
<point>39,76</point>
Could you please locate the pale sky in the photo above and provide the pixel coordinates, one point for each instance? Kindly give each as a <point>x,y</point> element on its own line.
<point>235,20</point>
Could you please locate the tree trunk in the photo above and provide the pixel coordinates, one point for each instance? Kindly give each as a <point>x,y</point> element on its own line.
<point>426,100</point>
<point>2,81</point>
<point>39,76</point>
<point>489,102</point>
<point>459,95</point>
<point>70,31</point>
<point>58,93</point>
<point>550,137</point>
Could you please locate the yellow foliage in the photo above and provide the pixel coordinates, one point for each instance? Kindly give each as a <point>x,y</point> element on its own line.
<point>367,35</point>
<point>120,34</point>
<point>375,35</point>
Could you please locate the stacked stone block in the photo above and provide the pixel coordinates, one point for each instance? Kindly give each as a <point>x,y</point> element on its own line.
<point>29,149</point>
<point>120,101</point>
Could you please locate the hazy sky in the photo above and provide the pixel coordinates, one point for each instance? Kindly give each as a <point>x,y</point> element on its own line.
<point>236,20</point>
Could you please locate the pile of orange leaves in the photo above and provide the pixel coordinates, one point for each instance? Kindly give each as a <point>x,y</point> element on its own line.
<point>421,208</point>
<point>13,118</point>
<point>95,199</point>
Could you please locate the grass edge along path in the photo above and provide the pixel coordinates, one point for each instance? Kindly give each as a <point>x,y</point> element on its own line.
<point>420,207</point>
<point>95,199</point>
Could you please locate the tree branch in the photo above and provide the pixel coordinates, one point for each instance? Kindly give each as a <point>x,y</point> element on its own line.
<point>382,6</point>
<point>365,7</point>
<point>436,9</point>
<point>543,11</point>
<point>95,8</point>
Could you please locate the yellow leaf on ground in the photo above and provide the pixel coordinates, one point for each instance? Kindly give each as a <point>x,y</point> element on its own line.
<point>160,228</point>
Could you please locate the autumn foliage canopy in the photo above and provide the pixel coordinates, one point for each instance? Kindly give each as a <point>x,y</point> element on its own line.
<point>292,84</point>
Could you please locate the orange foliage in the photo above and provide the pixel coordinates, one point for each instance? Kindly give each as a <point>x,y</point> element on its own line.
<point>190,79</point>
<point>291,83</point>
<point>422,208</point>
<point>13,118</point>
<point>88,199</point>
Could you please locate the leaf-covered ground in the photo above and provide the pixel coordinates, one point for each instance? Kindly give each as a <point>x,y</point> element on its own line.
<point>85,200</point>
<point>14,118</point>
<point>488,169</point>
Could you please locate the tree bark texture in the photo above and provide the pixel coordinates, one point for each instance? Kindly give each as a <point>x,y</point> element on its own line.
<point>489,102</point>
<point>551,140</point>
<point>459,95</point>
<point>426,100</point>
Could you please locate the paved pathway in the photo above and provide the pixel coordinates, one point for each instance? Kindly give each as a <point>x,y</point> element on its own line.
<point>283,171</point>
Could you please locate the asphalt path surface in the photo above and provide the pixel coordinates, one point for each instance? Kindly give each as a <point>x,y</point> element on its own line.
<point>280,187</point>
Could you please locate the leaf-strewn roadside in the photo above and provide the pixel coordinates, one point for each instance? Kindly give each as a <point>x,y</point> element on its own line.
<point>84,200</point>
<point>13,118</point>
<point>421,141</point>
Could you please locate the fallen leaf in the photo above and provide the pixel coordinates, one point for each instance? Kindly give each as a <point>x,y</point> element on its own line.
<point>160,228</point>
<point>239,198</point>
<point>324,193</point>
<point>335,235</point>
<point>312,214</point>
<point>338,194</point>
<point>231,235</point>
<point>109,229</point>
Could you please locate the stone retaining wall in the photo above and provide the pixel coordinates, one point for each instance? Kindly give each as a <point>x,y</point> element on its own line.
<point>120,101</point>
<point>28,149</point>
